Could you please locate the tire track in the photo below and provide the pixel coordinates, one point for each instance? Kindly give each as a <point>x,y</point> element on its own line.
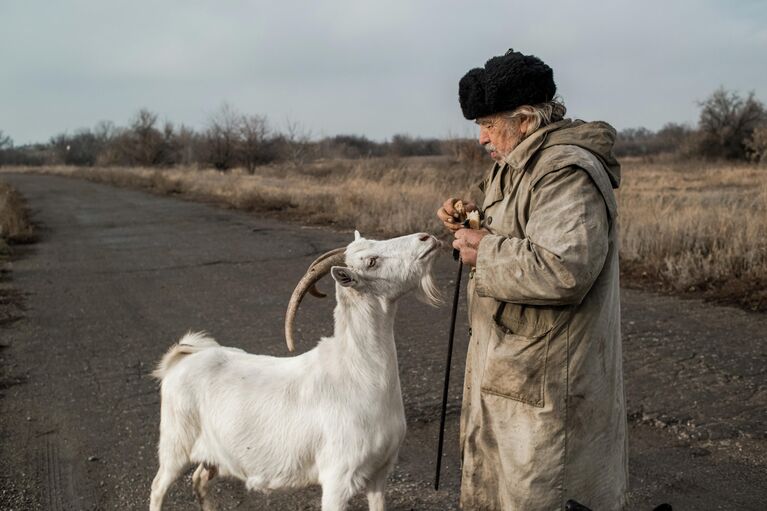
<point>55,495</point>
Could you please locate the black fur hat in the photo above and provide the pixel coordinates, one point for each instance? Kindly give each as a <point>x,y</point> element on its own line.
<point>506,82</point>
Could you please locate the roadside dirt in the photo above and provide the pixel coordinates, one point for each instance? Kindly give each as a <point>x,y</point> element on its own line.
<point>118,275</point>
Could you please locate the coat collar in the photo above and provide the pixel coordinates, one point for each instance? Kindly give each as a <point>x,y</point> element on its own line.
<point>517,159</point>
<point>522,154</point>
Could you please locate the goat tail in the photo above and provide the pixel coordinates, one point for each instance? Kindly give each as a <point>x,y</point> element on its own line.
<point>192,342</point>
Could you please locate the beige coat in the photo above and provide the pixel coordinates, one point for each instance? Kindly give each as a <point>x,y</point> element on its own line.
<point>544,415</point>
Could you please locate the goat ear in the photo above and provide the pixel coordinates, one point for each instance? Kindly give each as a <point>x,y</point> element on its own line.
<point>357,235</point>
<point>344,276</point>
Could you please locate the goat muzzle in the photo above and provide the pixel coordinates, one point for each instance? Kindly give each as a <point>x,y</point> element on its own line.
<point>308,283</point>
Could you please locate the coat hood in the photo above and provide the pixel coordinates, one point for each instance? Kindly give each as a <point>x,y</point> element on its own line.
<point>597,137</point>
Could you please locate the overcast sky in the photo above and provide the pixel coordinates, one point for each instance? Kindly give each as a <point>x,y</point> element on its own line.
<point>358,67</point>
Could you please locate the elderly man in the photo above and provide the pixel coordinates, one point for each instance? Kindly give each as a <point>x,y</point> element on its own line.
<point>543,417</point>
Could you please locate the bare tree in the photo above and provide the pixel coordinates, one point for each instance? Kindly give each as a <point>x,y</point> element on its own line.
<point>5,141</point>
<point>105,131</point>
<point>255,148</point>
<point>81,148</point>
<point>170,144</point>
<point>727,121</point>
<point>187,145</point>
<point>5,144</point>
<point>146,144</point>
<point>297,142</point>
<point>109,144</point>
<point>222,138</point>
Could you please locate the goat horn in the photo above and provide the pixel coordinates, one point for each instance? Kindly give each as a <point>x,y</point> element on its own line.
<point>318,269</point>
<point>313,290</point>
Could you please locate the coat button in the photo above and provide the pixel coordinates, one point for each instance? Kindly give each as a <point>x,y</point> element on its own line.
<point>469,332</point>
<point>489,220</point>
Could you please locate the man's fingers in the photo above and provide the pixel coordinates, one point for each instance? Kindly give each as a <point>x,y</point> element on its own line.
<point>448,206</point>
<point>448,221</point>
<point>449,216</point>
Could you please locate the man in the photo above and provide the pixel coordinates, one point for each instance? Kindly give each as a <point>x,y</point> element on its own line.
<point>543,417</point>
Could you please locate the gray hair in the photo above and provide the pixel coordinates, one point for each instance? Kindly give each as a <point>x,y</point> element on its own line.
<point>539,115</point>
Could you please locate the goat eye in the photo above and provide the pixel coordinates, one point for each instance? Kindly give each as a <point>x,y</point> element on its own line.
<point>372,262</point>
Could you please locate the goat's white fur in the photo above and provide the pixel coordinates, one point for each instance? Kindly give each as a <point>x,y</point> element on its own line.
<point>332,416</point>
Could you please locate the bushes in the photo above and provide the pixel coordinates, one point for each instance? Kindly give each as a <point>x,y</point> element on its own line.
<point>228,140</point>
<point>756,145</point>
<point>730,128</point>
<point>727,122</point>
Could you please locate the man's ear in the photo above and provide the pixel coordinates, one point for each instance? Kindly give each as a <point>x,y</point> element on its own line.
<point>344,276</point>
<point>524,125</point>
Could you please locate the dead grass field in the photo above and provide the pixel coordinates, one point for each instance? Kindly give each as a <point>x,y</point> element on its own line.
<point>697,228</point>
<point>689,228</point>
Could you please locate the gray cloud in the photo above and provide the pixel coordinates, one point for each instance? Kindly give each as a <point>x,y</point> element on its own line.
<point>358,67</point>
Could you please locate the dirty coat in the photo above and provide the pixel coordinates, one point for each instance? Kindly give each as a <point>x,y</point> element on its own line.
<point>543,417</point>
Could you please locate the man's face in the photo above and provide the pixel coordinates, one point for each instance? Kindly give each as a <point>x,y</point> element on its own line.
<point>500,135</point>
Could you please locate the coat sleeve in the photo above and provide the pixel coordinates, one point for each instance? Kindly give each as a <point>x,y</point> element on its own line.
<point>564,249</point>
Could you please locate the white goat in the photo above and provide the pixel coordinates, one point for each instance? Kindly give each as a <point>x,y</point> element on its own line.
<point>332,416</point>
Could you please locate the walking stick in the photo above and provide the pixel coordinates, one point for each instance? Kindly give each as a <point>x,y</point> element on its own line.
<point>447,368</point>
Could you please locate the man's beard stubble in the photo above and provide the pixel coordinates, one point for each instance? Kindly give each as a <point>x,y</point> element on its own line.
<point>502,156</point>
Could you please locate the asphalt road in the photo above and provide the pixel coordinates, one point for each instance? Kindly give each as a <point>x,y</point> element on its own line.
<point>117,276</point>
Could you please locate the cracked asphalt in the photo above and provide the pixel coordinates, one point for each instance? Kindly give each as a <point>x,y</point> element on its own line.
<point>117,276</point>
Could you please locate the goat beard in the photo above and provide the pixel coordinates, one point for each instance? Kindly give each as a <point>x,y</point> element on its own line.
<point>428,292</point>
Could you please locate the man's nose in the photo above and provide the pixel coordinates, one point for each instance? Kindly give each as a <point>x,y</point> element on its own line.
<point>483,138</point>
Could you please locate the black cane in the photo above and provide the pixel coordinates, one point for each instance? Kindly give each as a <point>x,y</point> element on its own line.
<point>447,369</point>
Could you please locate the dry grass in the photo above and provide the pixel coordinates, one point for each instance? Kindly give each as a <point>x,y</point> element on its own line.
<point>381,196</point>
<point>697,228</point>
<point>14,228</point>
<point>690,228</point>
<point>14,225</point>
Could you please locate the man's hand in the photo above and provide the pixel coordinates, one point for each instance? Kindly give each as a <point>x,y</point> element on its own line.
<point>467,243</point>
<point>448,215</point>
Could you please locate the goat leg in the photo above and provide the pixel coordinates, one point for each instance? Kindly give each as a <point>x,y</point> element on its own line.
<point>200,485</point>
